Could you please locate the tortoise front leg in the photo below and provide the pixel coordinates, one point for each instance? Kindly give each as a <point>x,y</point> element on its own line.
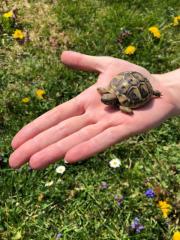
<point>102,90</point>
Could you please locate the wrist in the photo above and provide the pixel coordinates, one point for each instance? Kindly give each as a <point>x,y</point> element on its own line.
<point>171,81</point>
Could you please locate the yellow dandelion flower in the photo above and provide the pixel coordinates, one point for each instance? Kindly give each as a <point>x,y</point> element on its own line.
<point>18,34</point>
<point>130,50</point>
<point>165,208</point>
<point>176,236</point>
<point>155,31</point>
<point>8,14</point>
<point>25,100</point>
<point>40,93</point>
<point>176,21</point>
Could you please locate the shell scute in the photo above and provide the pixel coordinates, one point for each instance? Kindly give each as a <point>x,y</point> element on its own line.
<point>134,86</point>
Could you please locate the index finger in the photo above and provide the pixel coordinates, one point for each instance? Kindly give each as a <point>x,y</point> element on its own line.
<point>85,62</point>
<point>74,107</point>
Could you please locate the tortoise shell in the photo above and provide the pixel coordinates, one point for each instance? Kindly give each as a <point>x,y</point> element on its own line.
<point>134,86</point>
<point>129,90</point>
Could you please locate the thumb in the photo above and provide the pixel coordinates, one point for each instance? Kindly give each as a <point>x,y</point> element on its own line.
<point>85,62</point>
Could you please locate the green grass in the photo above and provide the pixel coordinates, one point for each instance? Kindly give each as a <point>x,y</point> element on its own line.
<point>75,204</point>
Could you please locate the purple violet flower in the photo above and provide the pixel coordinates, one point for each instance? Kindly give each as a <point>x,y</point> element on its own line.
<point>119,199</point>
<point>150,193</point>
<point>58,236</point>
<point>139,228</point>
<point>104,185</point>
<point>135,223</point>
<point>136,226</point>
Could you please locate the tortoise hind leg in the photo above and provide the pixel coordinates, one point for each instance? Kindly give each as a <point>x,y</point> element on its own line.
<point>126,109</point>
<point>123,100</point>
<point>157,93</point>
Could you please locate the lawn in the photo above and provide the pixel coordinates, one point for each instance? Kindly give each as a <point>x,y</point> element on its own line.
<point>90,200</point>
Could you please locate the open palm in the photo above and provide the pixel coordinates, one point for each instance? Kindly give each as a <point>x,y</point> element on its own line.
<point>83,126</point>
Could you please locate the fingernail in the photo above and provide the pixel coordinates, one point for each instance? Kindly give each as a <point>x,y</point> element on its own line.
<point>65,161</point>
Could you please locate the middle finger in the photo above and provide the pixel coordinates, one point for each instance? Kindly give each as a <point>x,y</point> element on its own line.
<point>57,150</point>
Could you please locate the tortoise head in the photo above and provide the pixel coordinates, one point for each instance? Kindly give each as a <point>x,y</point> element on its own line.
<point>109,99</point>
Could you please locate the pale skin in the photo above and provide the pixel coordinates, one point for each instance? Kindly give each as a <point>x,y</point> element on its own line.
<point>84,126</point>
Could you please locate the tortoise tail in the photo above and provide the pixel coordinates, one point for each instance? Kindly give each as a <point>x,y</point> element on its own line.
<point>157,93</point>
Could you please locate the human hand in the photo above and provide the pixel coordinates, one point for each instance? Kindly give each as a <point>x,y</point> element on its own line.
<point>84,126</point>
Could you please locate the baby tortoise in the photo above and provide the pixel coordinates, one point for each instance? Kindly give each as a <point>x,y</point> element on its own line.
<point>128,90</point>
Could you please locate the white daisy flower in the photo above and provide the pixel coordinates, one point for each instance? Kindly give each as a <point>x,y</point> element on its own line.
<point>115,163</point>
<point>60,169</point>
<point>48,184</point>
